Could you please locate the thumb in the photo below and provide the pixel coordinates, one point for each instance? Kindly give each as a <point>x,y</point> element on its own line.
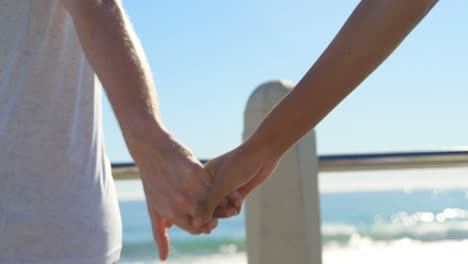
<point>159,226</point>
<point>261,176</point>
<point>231,205</point>
<point>206,207</point>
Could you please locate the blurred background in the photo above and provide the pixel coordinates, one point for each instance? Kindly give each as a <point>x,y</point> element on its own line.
<point>208,57</point>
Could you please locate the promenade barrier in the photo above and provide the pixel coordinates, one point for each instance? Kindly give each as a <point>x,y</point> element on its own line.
<point>283,214</point>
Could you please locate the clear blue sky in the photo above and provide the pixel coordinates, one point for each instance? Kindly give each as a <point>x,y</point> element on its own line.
<point>208,56</point>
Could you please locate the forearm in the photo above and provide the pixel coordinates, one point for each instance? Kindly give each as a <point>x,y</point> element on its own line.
<point>371,34</point>
<point>116,55</point>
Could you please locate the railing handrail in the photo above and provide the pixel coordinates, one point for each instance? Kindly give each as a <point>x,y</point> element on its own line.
<point>394,160</point>
<point>410,154</point>
<point>357,162</point>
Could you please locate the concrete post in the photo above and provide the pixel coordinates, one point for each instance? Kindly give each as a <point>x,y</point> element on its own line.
<point>283,215</point>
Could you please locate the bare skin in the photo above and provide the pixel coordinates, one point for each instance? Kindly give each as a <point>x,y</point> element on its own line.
<point>174,180</point>
<point>176,185</point>
<point>372,32</point>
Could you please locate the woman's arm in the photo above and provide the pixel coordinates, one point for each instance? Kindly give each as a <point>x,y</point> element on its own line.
<point>372,32</point>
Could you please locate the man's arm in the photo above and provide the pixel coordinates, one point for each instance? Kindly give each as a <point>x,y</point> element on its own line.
<point>117,57</point>
<point>172,177</point>
<point>370,35</point>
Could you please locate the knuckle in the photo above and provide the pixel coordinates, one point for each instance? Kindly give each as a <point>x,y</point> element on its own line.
<point>171,213</point>
<point>185,202</point>
<point>195,169</point>
<point>179,198</point>
<point>201,207</point>
<point>195,232</point>
<point>214,224</point>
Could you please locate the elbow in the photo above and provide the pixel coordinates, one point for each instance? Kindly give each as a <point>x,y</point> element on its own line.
<point>73,6</point>
<point>82,7</point>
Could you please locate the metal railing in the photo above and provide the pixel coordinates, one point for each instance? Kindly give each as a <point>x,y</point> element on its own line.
<point>356,162</point>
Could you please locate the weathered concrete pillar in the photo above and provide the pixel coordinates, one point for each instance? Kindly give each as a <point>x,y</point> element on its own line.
<point>283,215</point>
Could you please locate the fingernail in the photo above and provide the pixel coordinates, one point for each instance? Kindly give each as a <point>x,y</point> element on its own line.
<point>232,212</point>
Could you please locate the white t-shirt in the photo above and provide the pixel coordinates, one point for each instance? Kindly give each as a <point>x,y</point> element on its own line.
<point>57,198</point>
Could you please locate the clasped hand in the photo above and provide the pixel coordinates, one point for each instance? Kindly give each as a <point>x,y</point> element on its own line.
<point>181,191</point>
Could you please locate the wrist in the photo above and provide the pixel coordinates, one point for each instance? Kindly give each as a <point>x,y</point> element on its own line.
<point>259,151</point>
<point>141,131</point>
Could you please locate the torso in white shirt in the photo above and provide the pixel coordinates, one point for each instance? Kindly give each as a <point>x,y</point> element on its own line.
<point>57,197</point>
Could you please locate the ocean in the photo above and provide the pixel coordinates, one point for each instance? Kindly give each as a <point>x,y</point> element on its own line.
<point>361,223</point>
